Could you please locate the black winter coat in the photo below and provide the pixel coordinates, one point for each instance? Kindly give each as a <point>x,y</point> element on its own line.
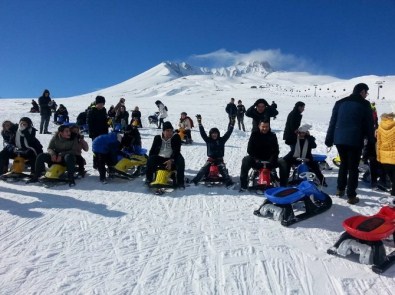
<point>231,109</point>
<point>240,110</point>
<point>215,148</point>
<point>30,135</point>
<point>292,124</point>
<point>9,135</point>
<point>175,146</point>
<point>257,117</point>
<point>45,109</point>
<point>351,122</point>
<point>264,147</point>
<point>97,122</point>
<point>311,145</point>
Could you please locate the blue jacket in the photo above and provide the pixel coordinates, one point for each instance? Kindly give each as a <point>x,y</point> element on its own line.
<point>106,143</point>
<point>351,122</point>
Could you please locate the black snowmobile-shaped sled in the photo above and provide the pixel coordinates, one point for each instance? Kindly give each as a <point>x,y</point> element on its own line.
<point>364,235</point>
<point>283,203</point>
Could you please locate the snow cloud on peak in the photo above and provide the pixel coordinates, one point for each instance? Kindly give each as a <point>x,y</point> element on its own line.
<point>277,59</point>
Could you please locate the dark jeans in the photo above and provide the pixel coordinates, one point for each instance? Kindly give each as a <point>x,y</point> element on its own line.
<point>160,123</point>
<point>44,123</point>
<point>390,170</point>
<point>155,161</point>
<point>285,167</point>
<point>348,171</point>
<point>204,171</point>
<point>240,122</point>
<point>6,155</point>
<point>68,160</point>
<point>102,160</point>
<point>247,163</point>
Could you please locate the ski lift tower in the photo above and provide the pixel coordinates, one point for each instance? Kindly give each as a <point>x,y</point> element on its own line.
<point>379,85</point>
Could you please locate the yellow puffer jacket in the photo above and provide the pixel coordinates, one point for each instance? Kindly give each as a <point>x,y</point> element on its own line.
<point>386,141</point>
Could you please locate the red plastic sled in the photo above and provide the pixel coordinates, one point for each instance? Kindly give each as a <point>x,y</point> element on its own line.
<point>372,228</point>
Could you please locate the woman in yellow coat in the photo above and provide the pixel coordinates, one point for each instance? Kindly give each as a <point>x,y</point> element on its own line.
<point>386,146</point>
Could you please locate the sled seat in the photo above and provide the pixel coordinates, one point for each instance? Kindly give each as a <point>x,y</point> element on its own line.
<point>372,228</point>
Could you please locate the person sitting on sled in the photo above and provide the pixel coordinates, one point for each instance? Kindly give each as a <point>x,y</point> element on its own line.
<point>23,143</point>
<point>61,150</point>
<point>61,115</point>
<point>262,146</point>
<point>215,151</point>
<point>8,131</point>
<point>105,148</point>
<point>82,146</point>
<point>136,117</point>
<point>301,150</point>
<point>185,125</point>
<point>166,150</point>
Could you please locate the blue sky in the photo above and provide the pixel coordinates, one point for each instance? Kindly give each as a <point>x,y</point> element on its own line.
<point>78,46</point>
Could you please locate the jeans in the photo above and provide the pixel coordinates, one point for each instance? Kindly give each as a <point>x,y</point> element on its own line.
<point>44,123</point>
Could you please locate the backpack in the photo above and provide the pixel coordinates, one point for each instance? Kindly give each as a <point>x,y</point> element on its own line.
<point>190,121</point>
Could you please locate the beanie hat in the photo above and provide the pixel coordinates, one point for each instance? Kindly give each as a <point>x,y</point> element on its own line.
<point>167,125</point>
<point>299,104</point>
<point>359,87</point>
<point>304,128</point>
<point>213,130</point>
<point>100,99</point>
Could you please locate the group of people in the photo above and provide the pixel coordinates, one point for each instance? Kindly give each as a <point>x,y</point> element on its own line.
<point>350,127</point>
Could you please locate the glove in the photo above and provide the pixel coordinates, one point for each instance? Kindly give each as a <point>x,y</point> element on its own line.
<point>199,119</point>
<point>233,120</point>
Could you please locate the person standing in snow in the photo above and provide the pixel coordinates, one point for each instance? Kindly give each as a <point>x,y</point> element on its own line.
<point>231,110</point>
<point>240,114</point>
<point>44,102</point>
<point>162,112</point>
<point>351,122</point>
<point>292,124</point>
<point>260,111</point>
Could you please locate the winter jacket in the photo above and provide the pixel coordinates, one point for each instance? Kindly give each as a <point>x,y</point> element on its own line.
<point>106,143</point>
<point>291,125</point>
<point>263,147</point>
<point>215,148</point>
<point>231,109</point>
<point>26,139</point>
<point>131,137</point>
<point>185,123</point>
<point>175,146</point>
<point>97,122</point>
<point>240,110</point>
<point>61,146</point>
<point>122,116</point>
<point>311,145</point>
<point>386,141</point>
<point>162,111</point>
<point>257,117</point>
<point>351,122</point>
<point>9,135</point>
<point>136,114</point>
<point>61,112</point>
<point>44,102</point>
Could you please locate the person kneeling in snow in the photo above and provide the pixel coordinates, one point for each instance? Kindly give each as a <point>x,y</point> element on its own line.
<point>301,150</point>
<point>166,150</point>
<point>215,151</point>
<point>105,148</point>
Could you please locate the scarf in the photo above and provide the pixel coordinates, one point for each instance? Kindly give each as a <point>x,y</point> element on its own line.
<point>301,153</point>
<point>21,141</point>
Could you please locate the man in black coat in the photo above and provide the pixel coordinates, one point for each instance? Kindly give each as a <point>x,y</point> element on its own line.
<point>351,122</point>
<point>231,109</point>
<point>262,146</point>
<point>215,151</point>
<point>166,150</point>
<point>260,111</point>
<point>45,111</point>
<point>292,124</point>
